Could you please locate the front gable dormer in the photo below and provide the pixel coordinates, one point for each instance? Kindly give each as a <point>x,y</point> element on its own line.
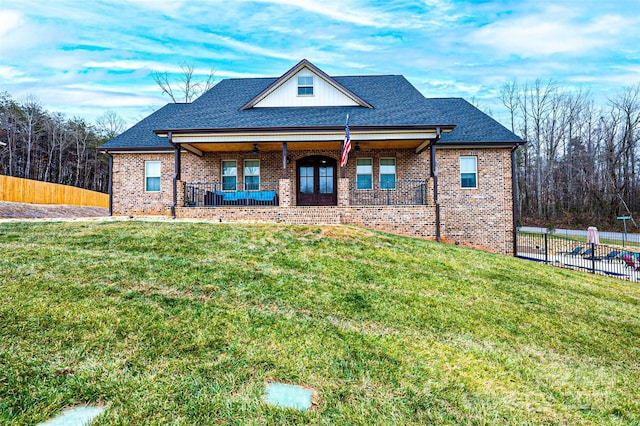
<point>305,85</point>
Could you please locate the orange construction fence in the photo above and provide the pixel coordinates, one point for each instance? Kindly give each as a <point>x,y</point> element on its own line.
<point>21,190</point>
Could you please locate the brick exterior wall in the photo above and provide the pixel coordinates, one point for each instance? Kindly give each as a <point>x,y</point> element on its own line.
<point>129,196</point>
<point>474,217</point>
<point>479,217</point>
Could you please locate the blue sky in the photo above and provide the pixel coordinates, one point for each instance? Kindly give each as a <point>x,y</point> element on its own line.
<point>87,57</point>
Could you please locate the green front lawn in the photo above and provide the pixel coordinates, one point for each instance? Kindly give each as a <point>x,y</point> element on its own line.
<point>183,323</point>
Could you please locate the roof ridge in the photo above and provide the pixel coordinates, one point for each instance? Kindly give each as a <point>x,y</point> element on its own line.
<point>332,76</point>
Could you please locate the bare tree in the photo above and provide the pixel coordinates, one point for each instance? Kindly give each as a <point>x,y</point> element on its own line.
<point>32,112</point>
<point>509,97</point>
<point>186,88</point>
<point>581,162</point>
<point>109,125</point>
<point>48,146</point>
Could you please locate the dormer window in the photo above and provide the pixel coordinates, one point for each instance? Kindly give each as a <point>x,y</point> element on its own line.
<point>305,86</point>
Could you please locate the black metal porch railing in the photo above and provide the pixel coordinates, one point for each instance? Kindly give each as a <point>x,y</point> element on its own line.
<point>405,193</point>
<point>210,194</point>
<point>607,259</point>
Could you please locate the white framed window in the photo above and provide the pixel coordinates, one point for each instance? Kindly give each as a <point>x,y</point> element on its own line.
<point>152,176</point>
<point>469,172</point>
<point>387,173</point>
<point>251,175</point>
<point>364,173</point>
<point>229,175</point>
<point>305,86</point>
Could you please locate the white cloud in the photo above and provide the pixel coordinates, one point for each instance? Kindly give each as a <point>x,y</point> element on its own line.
<point>9,72</point>
<point>554,30</point>
<point>9,19</point>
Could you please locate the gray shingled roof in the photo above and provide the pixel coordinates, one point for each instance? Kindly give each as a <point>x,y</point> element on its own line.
<point>396,103</point>
<point>141,135</point>
<point>472,125</point>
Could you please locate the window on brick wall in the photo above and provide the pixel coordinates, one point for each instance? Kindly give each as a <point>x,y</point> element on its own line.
<point>152,176</point>
<point>388,173</point>
<point>229,175</point>
<point>469,172</point>
<point>364,173</point>
<point>251,175</point>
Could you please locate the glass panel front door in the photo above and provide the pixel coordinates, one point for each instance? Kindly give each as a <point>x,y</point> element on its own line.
<point>316,181</point>
<point>326,179</point>
<point>306,180</point>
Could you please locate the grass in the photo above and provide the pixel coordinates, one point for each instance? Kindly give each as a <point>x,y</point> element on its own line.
<point>183,323</point>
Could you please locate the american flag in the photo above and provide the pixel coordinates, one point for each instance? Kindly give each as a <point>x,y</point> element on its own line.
<point>346,145</point>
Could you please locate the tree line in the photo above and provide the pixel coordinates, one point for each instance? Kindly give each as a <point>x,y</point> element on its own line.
<point>581,161</point>
<point>50,147</point>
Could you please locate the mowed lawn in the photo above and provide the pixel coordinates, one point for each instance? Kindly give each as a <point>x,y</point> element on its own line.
<point>185,323</point>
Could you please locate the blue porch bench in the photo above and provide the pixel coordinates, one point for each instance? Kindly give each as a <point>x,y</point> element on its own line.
<point>241,198</point>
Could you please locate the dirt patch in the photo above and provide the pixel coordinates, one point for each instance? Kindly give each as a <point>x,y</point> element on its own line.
<point>35,211</point>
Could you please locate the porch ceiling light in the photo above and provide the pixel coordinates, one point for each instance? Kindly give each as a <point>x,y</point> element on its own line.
<point>357,148</point>
<point>255,149</point>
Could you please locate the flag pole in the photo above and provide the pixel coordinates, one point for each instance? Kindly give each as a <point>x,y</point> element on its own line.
<point>345,149</point>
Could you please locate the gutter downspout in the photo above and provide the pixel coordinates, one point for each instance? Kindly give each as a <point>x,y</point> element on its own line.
<point>514,197</point>
<point>434,175</point>
<point>110,183</point>
<point>176,175</point>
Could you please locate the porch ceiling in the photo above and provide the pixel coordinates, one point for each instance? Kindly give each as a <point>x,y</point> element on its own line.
<point>304,146</point>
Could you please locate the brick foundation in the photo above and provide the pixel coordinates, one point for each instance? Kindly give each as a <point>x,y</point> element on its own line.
<point>415,221</point>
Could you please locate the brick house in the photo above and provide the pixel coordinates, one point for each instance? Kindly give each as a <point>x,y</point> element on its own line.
<point>268,149</point>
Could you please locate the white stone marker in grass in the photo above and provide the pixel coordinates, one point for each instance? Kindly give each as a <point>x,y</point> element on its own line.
<point>79,416</point>
<point>289,396</point>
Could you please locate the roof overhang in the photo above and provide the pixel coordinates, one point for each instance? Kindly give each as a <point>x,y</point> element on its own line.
<point>307,138</point>
<point>471,145</point>
<point>129,150</point>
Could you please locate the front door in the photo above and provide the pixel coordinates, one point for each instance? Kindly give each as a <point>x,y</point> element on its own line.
<point>317,181</point>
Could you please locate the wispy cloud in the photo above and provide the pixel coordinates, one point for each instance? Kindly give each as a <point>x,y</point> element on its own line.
<point>358,13</point>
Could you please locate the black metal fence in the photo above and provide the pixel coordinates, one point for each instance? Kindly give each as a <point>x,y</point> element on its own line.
<point>404,192</point>
<point>607,259</point>
<point>211,194</point>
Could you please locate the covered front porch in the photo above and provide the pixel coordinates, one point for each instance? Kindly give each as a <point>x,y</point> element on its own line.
<point>385,167</point>
<point>294,176</point>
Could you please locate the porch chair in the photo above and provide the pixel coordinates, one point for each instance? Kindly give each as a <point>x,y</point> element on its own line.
<point>575,252</point>
<point>588,253</point>
<point>613,254</point>
<point>630,262</point>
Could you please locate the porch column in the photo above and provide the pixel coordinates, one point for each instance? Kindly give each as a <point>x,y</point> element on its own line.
<point>284,192</point>
<point>176,175</point>
<point>514,201</point>
<point>343,192</point>
<point>434,176</point>
<point>284,160</point>
<point>110,184</point>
